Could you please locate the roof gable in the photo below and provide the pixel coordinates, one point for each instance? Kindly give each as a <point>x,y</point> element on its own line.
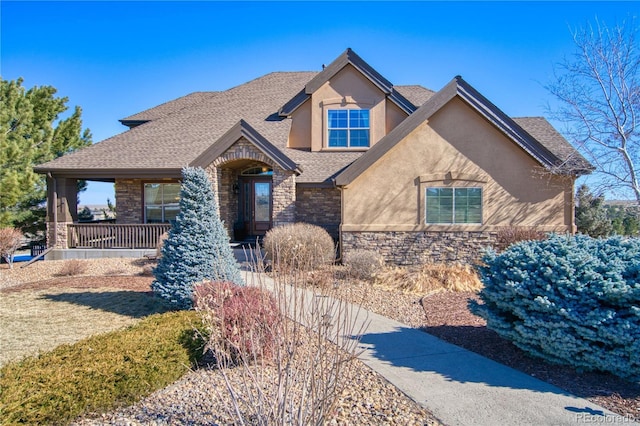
<point>552,160</point>
<point>348,57</point>
<point>239,130</point>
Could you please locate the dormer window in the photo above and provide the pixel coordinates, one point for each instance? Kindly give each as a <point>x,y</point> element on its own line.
<point>348,128</point>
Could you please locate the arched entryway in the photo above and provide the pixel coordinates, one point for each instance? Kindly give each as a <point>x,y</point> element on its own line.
<point>255,202</point>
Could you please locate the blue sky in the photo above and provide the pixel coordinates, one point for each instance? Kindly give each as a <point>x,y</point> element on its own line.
<point>118,58</point>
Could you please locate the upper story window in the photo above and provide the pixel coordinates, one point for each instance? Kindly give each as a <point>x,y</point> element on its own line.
<point>454,205</point>
<point>161,202</point>
<point>348,128</point>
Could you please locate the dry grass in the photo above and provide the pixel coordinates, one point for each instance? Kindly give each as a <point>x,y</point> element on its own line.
<point>36,321</point>
<point>430,278</point>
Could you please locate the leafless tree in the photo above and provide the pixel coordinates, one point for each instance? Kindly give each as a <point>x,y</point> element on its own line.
<point>599,90</point>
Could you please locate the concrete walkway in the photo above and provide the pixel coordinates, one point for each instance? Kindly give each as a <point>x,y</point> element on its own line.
<point>463,388</point>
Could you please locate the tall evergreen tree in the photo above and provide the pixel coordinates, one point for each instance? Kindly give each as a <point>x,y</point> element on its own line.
<point>32,132</point>
<point>197,247</point>
<point>591,214</point>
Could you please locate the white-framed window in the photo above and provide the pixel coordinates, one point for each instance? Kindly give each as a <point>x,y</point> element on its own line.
<point>161,202</point>
<point>453,205</point>
<point>348,128</point>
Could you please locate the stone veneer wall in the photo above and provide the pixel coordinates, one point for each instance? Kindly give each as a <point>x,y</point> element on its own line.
<point>129,195</point>
<point>319,206</point>
<point>414,248</point>
<point>223,176</point>
<point>59,234</point>
<point>283,209</point>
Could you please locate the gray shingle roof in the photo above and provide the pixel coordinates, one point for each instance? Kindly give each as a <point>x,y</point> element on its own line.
<point>167,108</point>
<point>547,135</point>
<point>182,132</point>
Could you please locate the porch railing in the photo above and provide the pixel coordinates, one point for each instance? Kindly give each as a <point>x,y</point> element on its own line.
<point>106,236</point>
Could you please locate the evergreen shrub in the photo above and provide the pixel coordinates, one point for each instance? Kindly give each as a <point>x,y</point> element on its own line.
<point>570,300</point>
<point>299,245</point>
<point>197,247</point>
<point>241,321</point>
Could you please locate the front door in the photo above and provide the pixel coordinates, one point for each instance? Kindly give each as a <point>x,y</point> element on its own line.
<point>255,205</point>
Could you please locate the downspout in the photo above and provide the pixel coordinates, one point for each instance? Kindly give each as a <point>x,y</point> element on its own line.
<point>54,202</point>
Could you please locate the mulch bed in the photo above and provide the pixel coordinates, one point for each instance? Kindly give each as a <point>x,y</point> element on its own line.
<point>449,319</point>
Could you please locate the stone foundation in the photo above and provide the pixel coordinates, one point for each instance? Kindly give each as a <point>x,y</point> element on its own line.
<point>415,248</point>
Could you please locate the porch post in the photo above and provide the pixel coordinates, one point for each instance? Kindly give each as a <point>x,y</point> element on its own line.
<point>62,209</point>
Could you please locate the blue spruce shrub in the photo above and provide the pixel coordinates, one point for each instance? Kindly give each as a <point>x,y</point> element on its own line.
<point>570,300</point>
<point>197,247</point>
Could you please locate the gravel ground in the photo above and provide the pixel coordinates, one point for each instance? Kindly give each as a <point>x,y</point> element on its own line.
<point>442,314</point>
<point>196,399</point>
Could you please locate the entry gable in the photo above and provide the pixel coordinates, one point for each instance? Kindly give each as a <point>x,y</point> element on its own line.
<point>549,155</point>
<point>242,129</point>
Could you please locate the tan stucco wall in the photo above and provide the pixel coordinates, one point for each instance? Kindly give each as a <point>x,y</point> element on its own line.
<point>347,89</point>
<point>394,115</point>
<point>457,147</point>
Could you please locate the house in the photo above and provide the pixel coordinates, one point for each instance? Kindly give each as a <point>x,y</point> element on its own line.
<point>414,174</point>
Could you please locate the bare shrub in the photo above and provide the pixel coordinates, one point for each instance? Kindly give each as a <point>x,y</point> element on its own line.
<point>299,245</point>
<point>160,244</point>
<point>513,234</point>
<point>73,267</point>
<point>147,271</point>
<point>10,241</point>
<point>241,320</point>
<point>431,278</point>
<point>363,264</point>
<point>313,350</point>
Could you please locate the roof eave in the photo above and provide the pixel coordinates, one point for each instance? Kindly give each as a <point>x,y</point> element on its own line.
<point>239,130</point>
<point>109,173</point>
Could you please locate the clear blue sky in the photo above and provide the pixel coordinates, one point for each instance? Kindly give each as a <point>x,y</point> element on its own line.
<point>118,58</point>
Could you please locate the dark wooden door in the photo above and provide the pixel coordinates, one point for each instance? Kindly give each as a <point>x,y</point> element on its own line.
<point>255,205</point>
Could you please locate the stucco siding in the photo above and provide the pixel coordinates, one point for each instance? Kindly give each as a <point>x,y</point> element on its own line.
<point>347,89</point>
<point>456,148</point>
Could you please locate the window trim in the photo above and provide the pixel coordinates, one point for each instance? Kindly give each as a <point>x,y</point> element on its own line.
<point>348,128</point>
<point>162,206</point>
<point>453,206</point>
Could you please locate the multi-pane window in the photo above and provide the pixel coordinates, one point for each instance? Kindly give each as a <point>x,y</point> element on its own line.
<point>161,202</point>
<point>454,205</point>
<point>348,128</point>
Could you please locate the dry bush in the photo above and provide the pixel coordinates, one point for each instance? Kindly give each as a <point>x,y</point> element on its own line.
<point>73,267</point>
<point>363,264</point>
<point>431,278</point>
<point>147,271</point>
<point>514,234</point>
<point>313,351</point>
<point>10,241</point>
<point>241,320</point>
<point>161,244</point>
<point>299,245</point>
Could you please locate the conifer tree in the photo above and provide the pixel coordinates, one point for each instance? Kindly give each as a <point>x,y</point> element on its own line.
<point>197,247</point>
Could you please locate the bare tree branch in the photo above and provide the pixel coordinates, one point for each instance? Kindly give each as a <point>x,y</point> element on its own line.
<point>599,90</point>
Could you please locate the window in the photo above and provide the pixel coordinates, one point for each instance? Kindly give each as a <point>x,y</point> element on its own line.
<point>454,205</point>
<point>348,128</point>
<point>161,202</point>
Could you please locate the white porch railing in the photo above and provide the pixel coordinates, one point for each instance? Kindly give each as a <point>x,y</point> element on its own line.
<point>106,236</point>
